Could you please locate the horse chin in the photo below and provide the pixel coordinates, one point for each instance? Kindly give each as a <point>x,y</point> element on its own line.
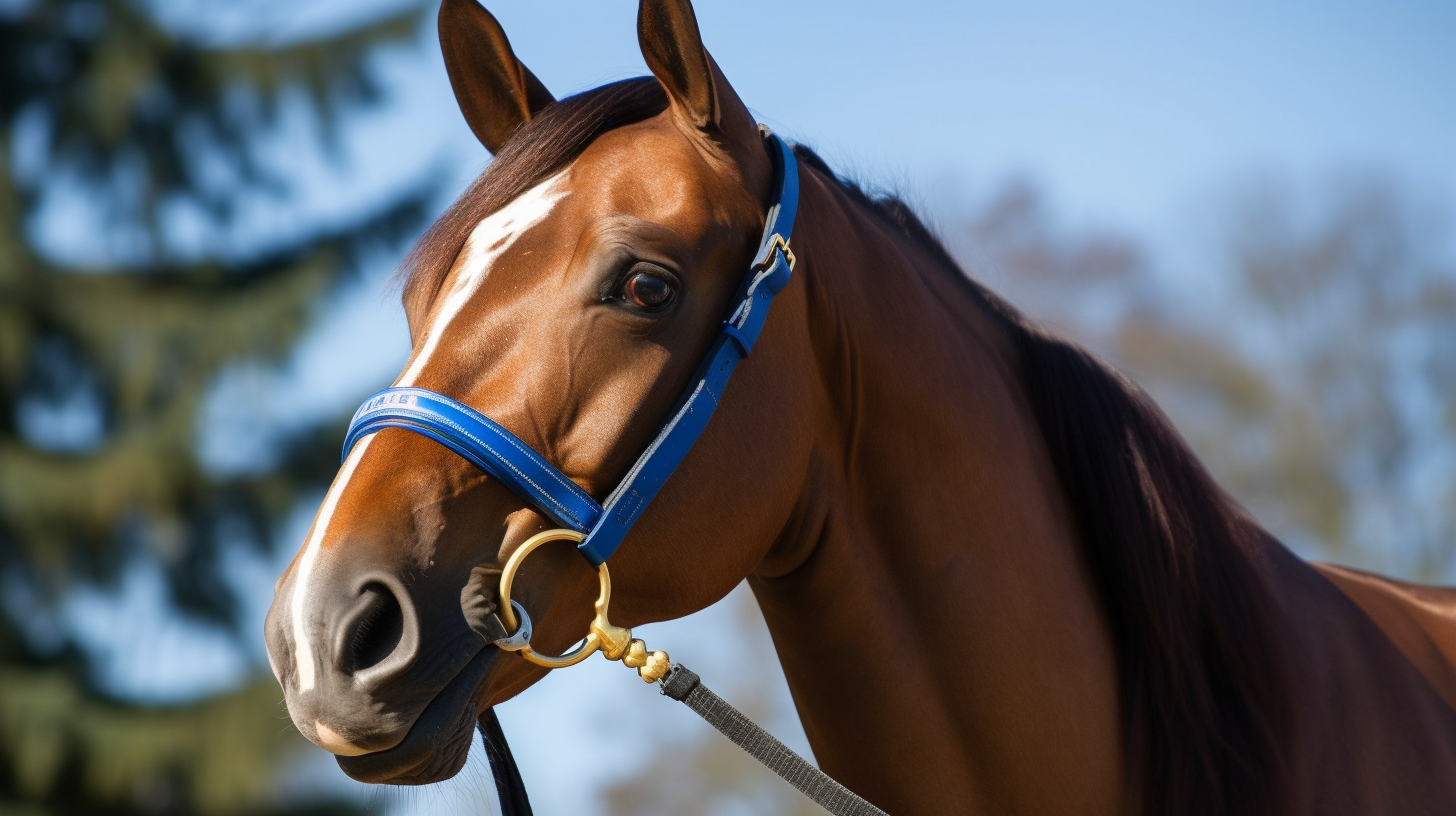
<point>437,744</point>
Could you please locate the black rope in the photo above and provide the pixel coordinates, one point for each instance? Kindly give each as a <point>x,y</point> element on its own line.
<point>508,785</point>
<point>683,685</point>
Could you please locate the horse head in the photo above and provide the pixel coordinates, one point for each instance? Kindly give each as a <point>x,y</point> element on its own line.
<point>568,295</point>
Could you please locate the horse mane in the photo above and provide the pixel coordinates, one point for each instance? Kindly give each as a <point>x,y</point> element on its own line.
<point>545,144</point>
<point>1179,566</point>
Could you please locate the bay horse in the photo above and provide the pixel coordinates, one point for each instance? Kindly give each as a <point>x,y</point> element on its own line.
<point>997,579</point>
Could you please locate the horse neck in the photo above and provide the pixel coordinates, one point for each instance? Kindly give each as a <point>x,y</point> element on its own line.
<point>929,602</point>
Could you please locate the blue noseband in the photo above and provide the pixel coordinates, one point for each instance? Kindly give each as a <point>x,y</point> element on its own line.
<point>500,453</point>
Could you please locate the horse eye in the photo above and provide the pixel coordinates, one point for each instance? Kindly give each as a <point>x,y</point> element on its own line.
<point>646,290</point>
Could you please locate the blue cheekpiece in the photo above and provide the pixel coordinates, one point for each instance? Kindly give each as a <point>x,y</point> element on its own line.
<point>500,453</point>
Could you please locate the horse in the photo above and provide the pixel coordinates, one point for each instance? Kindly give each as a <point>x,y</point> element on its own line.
<point>997,579</point>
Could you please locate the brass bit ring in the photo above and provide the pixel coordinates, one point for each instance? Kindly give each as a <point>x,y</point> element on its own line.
<point>614,642</point>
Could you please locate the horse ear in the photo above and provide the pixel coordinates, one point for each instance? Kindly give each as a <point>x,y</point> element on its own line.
<point>673,47</point>
<point>495,91</point>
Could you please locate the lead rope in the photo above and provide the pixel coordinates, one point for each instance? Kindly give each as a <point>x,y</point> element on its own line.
<point>509,787</point>
<point>683,685</point>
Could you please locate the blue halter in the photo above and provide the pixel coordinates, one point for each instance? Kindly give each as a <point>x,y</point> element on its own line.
<point>500,453</point>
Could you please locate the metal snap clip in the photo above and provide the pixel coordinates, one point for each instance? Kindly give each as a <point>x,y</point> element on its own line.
<point>521,639</point>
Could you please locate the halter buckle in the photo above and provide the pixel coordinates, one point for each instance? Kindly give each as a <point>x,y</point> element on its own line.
<point>766,258</point>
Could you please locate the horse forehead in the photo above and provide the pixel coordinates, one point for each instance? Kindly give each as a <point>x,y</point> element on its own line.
<point>652,171</point>
<point>489,240</point>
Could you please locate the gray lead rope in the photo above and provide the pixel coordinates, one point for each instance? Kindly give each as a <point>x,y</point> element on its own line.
<point>680,683</point>
<point>683,685</point>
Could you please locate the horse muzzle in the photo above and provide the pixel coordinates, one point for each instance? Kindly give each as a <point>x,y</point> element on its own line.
<point>358,673</point>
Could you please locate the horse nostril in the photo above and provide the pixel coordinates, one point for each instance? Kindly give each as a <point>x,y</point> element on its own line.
<point>378,629</point>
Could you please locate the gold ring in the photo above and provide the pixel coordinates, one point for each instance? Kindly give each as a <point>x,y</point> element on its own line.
<point>612,640</point>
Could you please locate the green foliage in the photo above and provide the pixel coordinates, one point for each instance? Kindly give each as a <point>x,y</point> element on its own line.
<point>123,95</point>
<point>108,349</point>
<point>215,754</point>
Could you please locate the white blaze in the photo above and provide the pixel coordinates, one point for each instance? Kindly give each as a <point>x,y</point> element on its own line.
<point>490,238</point>
<point>303,650</point>
<point>487,241</point>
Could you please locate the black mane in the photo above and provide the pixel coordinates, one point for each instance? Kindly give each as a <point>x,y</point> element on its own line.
<point>1179,566</point>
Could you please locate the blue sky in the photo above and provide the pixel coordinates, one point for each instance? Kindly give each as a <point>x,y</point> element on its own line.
<point>1121,109</point>
<point>1128,116</point>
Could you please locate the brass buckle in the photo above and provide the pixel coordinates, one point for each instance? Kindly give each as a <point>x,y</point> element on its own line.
<point>777,241</point>
<point>614,642</point>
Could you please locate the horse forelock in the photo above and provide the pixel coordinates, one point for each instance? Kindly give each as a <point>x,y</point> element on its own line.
<point>1200,639</point>
<point>542,147</point>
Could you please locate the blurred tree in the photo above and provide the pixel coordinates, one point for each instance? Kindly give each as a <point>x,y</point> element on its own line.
<point>1315,374</point>
<point>1321,386</point>
<point>108,349</point>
